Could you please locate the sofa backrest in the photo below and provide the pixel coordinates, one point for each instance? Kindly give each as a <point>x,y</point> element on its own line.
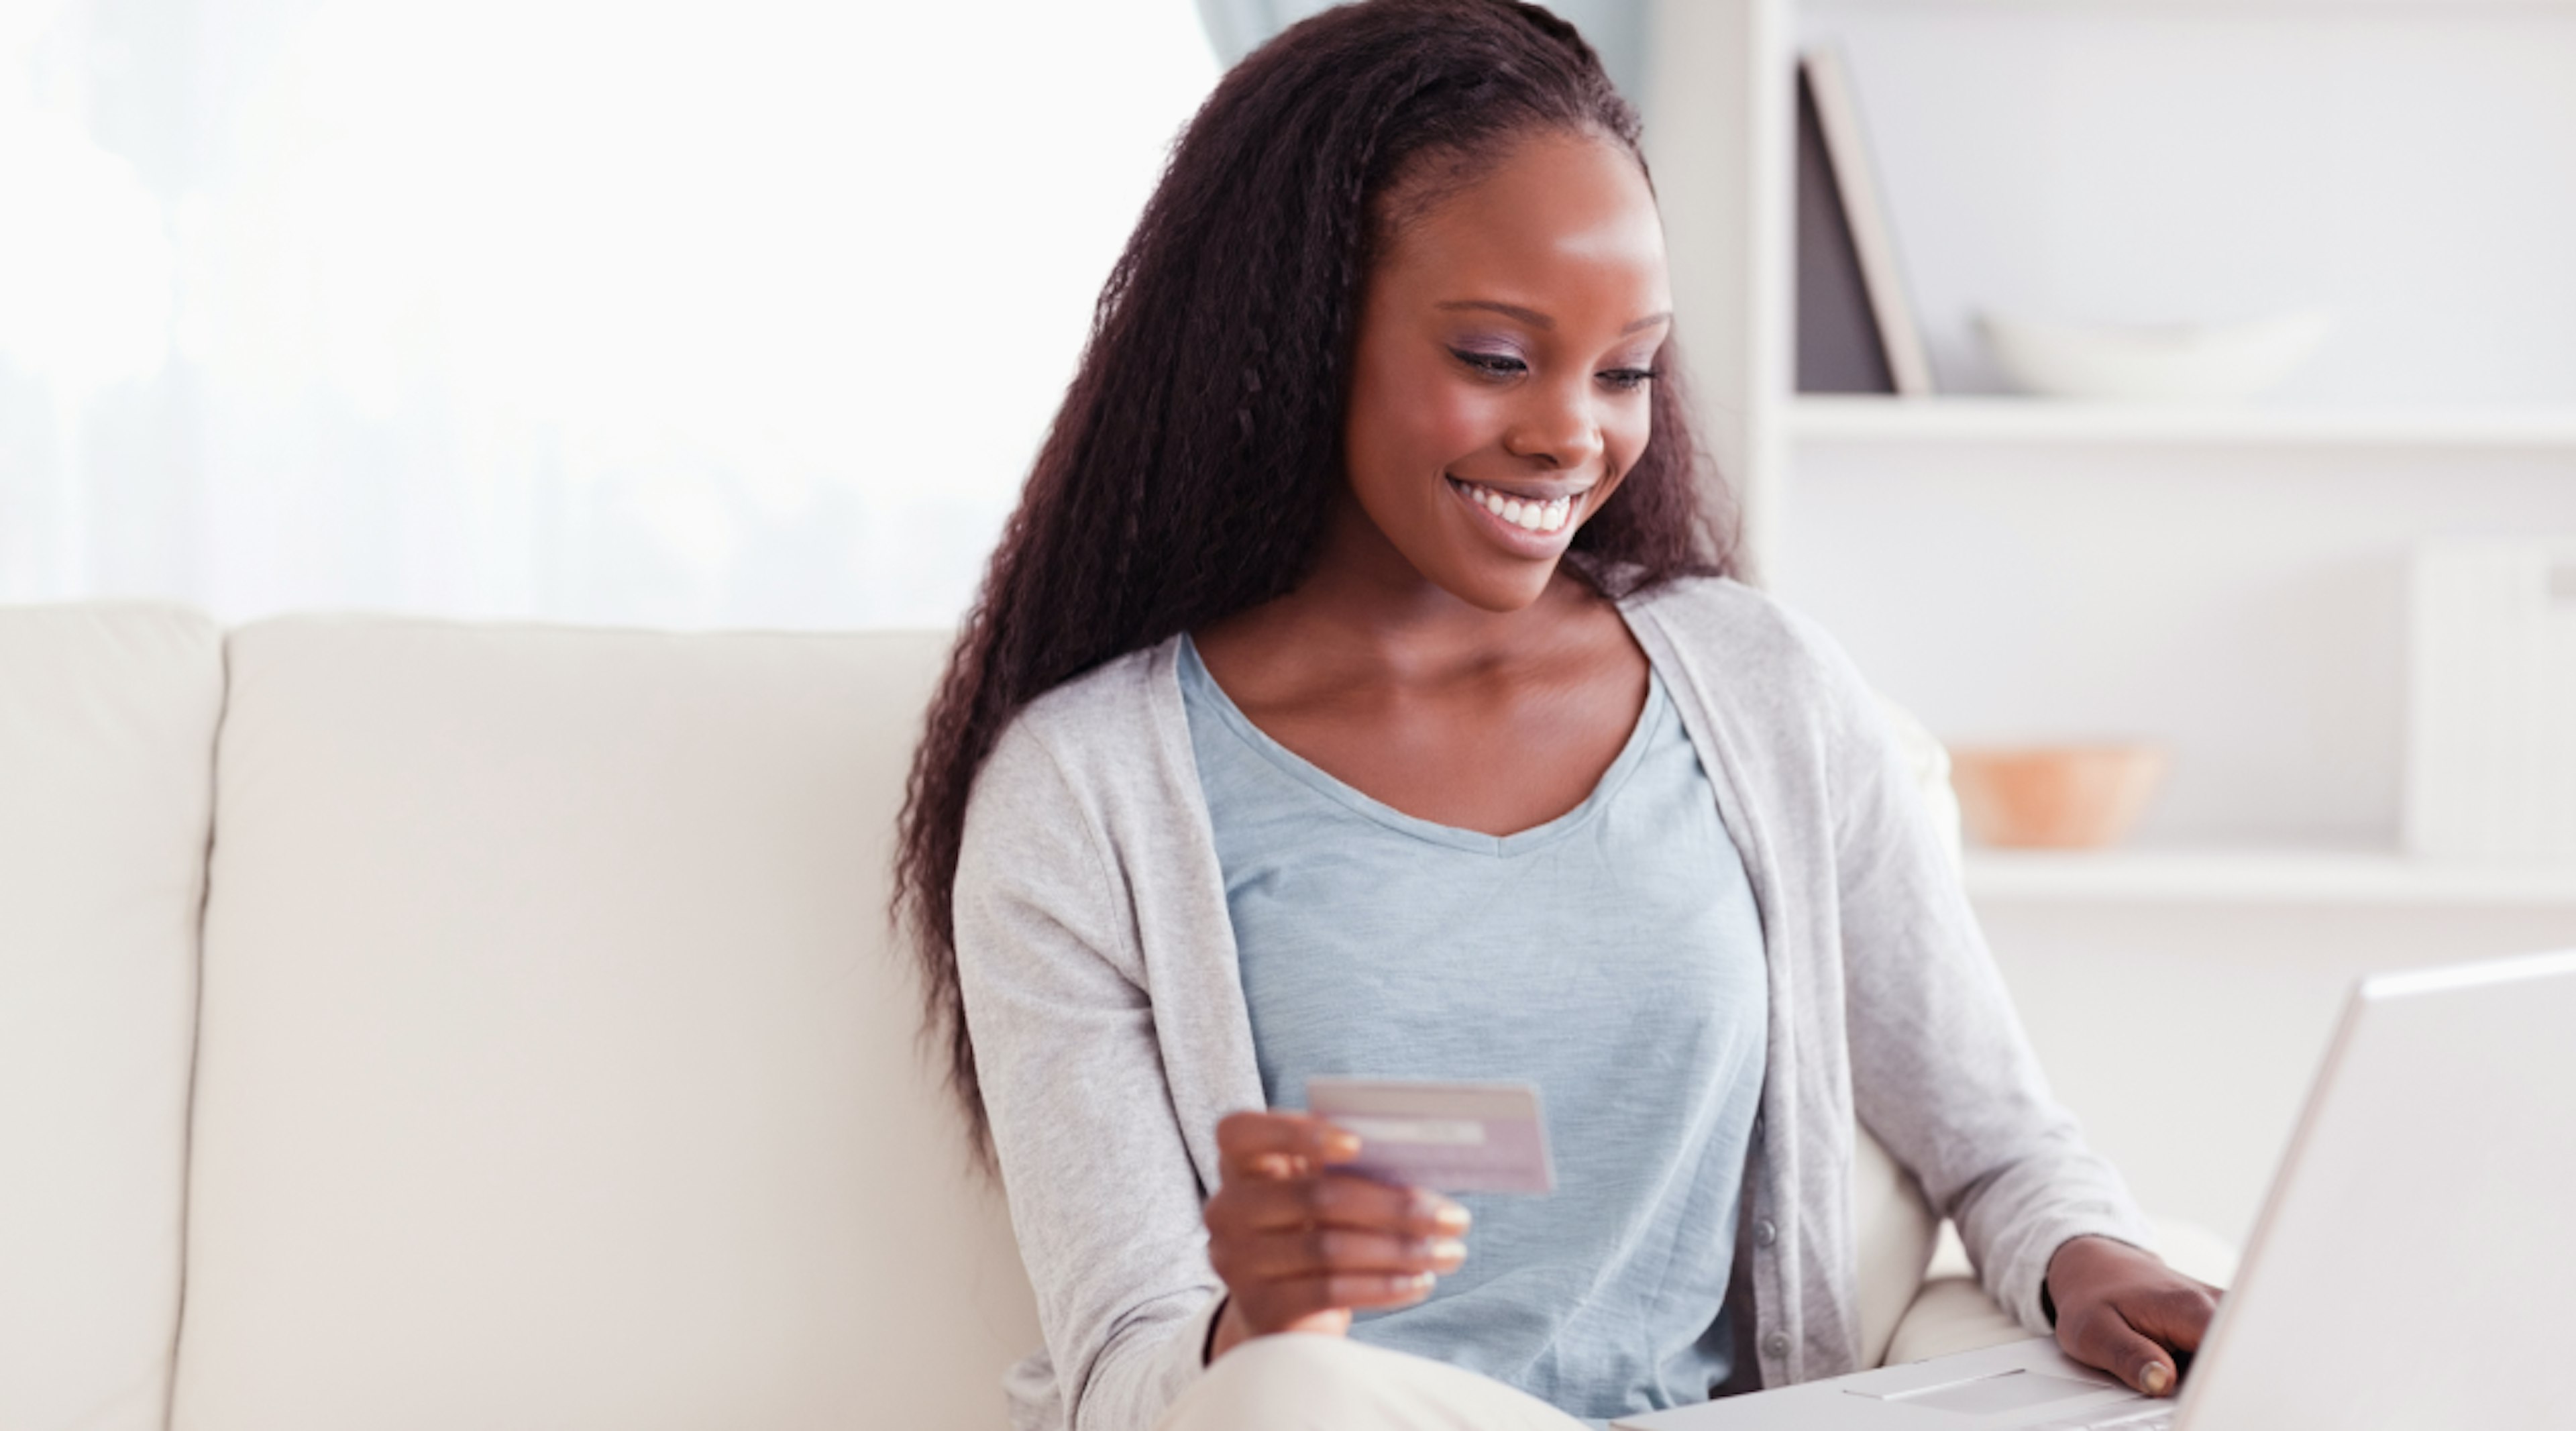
<point>107,738</point>
<point>555,1069</point>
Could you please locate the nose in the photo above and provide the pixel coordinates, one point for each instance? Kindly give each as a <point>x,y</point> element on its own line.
<point>1557,427</point>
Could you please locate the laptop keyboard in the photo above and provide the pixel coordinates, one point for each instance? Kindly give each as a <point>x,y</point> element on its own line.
<point>2159,1417</point>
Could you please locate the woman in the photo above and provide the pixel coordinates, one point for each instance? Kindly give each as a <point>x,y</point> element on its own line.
<point>1359,689</point>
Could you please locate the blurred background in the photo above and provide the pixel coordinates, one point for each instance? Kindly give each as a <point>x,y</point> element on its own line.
<point>676,314</point>
<point>2206,394</point>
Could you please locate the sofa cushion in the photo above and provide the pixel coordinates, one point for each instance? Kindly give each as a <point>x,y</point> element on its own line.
<point>107,736</point>
<point>556,1070</point>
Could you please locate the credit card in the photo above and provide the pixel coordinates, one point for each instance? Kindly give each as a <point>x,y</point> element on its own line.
<point>1450,1137</point>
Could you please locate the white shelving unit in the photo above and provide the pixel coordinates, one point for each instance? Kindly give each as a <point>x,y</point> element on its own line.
<point>1834,487</point>
<point>2227,581</point>
<point>2258,876</point>
<point>1815,421</point>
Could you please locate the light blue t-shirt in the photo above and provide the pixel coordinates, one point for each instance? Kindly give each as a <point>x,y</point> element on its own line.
<point>1612,956</point>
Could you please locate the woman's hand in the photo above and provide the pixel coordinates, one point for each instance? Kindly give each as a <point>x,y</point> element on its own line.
<point>1299,1245</point>
<point>2126,1312</point>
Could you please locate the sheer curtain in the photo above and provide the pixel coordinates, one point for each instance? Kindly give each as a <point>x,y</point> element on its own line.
<point>748,313</point>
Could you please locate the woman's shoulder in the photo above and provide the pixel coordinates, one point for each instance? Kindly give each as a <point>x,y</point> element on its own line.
<point>1759,645</point>
<point>1106,719</point>
<point>1110,697</point>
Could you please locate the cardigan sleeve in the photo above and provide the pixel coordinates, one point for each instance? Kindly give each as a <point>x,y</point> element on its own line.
<point>1942,1073</point>
<point>1102,1193</point>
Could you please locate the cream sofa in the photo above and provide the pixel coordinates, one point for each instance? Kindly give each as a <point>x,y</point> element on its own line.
<point>415,1024</point>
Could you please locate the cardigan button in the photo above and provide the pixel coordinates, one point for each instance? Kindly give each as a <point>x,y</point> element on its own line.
<point>1765,1233</point>
<point>1776,1346</point>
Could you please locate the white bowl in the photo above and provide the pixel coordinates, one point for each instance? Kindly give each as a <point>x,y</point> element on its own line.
<point>2168,361</point>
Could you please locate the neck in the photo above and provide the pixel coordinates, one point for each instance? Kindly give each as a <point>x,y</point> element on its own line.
<point>1365,606</point>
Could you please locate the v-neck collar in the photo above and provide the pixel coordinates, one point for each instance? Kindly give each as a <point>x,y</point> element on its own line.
<point>1194,674</point>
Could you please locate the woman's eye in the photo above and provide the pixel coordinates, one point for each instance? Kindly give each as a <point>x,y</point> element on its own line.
<point>1501,365</point>
<point>1628,379</point>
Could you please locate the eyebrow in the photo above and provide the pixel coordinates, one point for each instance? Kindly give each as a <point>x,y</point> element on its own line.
<point>1539,320</point>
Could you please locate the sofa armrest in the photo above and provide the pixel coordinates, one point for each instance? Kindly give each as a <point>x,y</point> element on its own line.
<point>1951,1314</point>
<point>1896,1230</point>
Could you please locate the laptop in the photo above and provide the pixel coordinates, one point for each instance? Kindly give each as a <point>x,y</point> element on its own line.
<point>2414,1265</point>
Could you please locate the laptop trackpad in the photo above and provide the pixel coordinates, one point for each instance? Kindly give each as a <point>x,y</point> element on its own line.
<point>2014,1390</point>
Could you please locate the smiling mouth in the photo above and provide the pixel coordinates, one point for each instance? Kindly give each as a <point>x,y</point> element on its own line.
<point>1531,514</point>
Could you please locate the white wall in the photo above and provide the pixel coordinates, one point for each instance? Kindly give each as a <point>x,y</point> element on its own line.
<point>2185,1038</point>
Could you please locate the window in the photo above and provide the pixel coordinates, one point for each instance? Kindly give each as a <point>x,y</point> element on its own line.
<point>748,313</point>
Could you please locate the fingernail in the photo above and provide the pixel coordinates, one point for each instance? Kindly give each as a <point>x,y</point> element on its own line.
<point>1339,1144</point>
<point>2155,1379</point>
<point>1422,1281</point>
<point>1448,1251</point>
<point>1450,1217</point>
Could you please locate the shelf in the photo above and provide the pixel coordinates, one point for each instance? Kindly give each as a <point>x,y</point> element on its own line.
<point>2282,876</point>
<point>2050,421</point>
<point>2217,9</point>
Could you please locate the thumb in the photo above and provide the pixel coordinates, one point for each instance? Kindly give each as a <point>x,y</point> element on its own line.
<point>2109,1342</point>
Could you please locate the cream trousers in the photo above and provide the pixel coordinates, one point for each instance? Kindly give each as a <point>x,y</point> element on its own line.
<point>1306,1381</point>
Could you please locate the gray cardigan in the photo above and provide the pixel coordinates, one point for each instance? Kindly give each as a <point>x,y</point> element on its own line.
<point>1101,985</point>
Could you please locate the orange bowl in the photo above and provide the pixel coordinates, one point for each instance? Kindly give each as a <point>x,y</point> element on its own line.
<point>2065,797</point>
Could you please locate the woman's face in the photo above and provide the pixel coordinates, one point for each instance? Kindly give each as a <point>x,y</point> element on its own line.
<point>1500,385</point>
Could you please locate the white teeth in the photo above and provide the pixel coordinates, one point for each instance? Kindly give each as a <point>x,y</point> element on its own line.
<point>1528,515</point>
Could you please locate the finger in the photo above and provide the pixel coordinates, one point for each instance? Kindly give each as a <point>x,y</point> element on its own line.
<point>1258,1143</point>
<point>2177,1316</point>
<point>1323,1251</point>
<point>1334,1200</point>
<point>2104,1339</point>
<point>1270,1305</point>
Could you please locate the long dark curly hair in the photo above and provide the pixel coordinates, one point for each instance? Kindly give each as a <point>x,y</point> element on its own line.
<point>1189,472</point>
